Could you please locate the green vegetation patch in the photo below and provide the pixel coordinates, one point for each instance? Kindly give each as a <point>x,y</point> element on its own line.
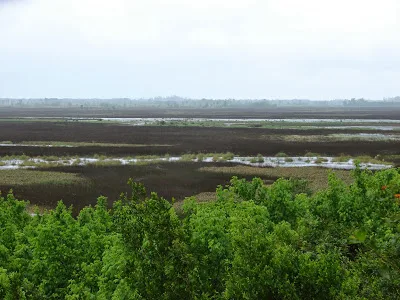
<point>379,159</point>
<point>316,177</point>
<point>88,144</point>
<point>321,160</point>
<point>312,154</point>
<point>254,241</point>
<point>29,177</point>
<point>281,154</point>
<point>319,138</point>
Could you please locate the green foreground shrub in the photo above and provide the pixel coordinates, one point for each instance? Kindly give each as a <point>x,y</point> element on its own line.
<point>253,242</point>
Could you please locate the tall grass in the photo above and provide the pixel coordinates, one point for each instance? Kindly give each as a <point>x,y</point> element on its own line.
<point>317,177</point>
<point>20,177</point>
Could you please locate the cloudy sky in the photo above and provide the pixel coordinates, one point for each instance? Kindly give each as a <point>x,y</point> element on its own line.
<point>316,49</point>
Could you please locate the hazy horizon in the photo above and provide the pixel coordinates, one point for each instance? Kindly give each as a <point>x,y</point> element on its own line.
<point>223,49</point>
<point>161,98</point>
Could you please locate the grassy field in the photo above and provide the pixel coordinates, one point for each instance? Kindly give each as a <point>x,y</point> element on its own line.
<point>54,139</point>
<point>295,112</point>
<point>317,177</point>
<point>334,137</point>
<point>178,180</point>
<point>105,139</point>
<point>34,177</point>
<point>288,123</point>
<point>81,144</point>
<point>80,186</point>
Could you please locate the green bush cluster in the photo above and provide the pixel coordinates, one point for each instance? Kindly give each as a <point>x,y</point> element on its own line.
<point>253,242</point>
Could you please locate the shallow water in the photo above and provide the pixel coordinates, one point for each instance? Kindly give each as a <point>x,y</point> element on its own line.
<point>312,120</point>
<point>241,121</point>
<point>267,161</point>
<point>366,136</point>
<point>33,145</point>
<point>251,120</point>
<point>370,127</point>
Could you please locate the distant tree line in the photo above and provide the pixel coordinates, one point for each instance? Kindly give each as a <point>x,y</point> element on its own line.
<point>179,102</point>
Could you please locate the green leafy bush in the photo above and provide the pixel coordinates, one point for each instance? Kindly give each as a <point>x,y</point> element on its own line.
<point>281,154</point>
<point>254,242</point>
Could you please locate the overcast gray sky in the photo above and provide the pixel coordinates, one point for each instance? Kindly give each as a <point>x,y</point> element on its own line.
<point>316,49</point>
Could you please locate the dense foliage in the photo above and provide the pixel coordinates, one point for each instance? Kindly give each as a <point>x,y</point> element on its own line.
<point>253,242</point>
